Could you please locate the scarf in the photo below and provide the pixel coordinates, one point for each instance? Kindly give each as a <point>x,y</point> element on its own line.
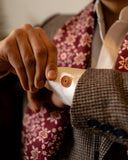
<point>74,39</point>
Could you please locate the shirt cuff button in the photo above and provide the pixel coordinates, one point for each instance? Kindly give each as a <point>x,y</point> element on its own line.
<point>66,81</point>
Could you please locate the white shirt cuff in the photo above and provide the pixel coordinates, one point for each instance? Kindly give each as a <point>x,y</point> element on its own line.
<point>65,83</point>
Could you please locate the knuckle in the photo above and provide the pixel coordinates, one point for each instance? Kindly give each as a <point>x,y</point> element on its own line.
<point>26,26</point>
<point>53,49</point>
<point>8,46</point>
<point>38,28</point>
<point>6,43</point>
<point>17,33</point>
<point>40,51</point>
<point>52,65</point>
<point>20,67</point>
<point>29,61</point>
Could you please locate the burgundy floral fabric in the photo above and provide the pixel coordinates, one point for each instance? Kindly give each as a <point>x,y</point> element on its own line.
<point>43,133</point>
<point>122,58</point>
<point>74,39</point>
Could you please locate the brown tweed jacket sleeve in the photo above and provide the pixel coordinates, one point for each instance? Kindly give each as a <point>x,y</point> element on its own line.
<point>101,97</point>
<point>100,104</point>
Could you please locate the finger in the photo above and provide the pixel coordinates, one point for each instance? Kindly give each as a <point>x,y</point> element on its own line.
<point>32,102</point>
<point>16,62</point>
<point>39,99</point>
<point>13,58</point>
<point>27,57</point>
<point>40,53</point>
<point>51,66</point>
<point>12,70</point>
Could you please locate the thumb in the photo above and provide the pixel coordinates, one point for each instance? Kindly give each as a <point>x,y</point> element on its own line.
<point>51,71</point>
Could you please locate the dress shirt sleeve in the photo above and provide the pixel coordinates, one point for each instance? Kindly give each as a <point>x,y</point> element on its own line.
<point>65,83</point>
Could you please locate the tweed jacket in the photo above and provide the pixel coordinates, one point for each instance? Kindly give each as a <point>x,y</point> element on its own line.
<point>99,118</point>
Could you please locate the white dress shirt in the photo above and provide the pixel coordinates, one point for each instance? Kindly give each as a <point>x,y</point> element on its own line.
<point>112,39</point>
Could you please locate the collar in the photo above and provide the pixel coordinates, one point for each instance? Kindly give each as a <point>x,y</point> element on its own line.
<point>123,16</point>
<point>100,18</point>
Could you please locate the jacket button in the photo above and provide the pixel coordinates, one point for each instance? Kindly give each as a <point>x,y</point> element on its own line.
<point>106,128</point>
<point>119,133</point>
<point>92,123</point>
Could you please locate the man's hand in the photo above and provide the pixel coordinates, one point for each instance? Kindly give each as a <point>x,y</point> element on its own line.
<point>59,92</point>
<point>43,98</point>
<point>30,54</point>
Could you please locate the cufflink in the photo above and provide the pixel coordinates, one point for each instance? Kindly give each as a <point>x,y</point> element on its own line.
<point>66,81</point>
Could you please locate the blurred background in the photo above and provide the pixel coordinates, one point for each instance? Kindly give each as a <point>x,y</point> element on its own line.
<point>14,13</point>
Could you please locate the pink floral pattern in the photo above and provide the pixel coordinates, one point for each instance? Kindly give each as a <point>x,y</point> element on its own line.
<point>122,59</point>
<point>79,58</point>
<point>75,38</point>
<point>43,133</point>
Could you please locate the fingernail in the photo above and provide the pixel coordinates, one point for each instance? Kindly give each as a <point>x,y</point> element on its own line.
<point>52,75</point>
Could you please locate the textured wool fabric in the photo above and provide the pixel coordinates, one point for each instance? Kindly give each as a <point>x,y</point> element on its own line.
<point>105,104</point>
